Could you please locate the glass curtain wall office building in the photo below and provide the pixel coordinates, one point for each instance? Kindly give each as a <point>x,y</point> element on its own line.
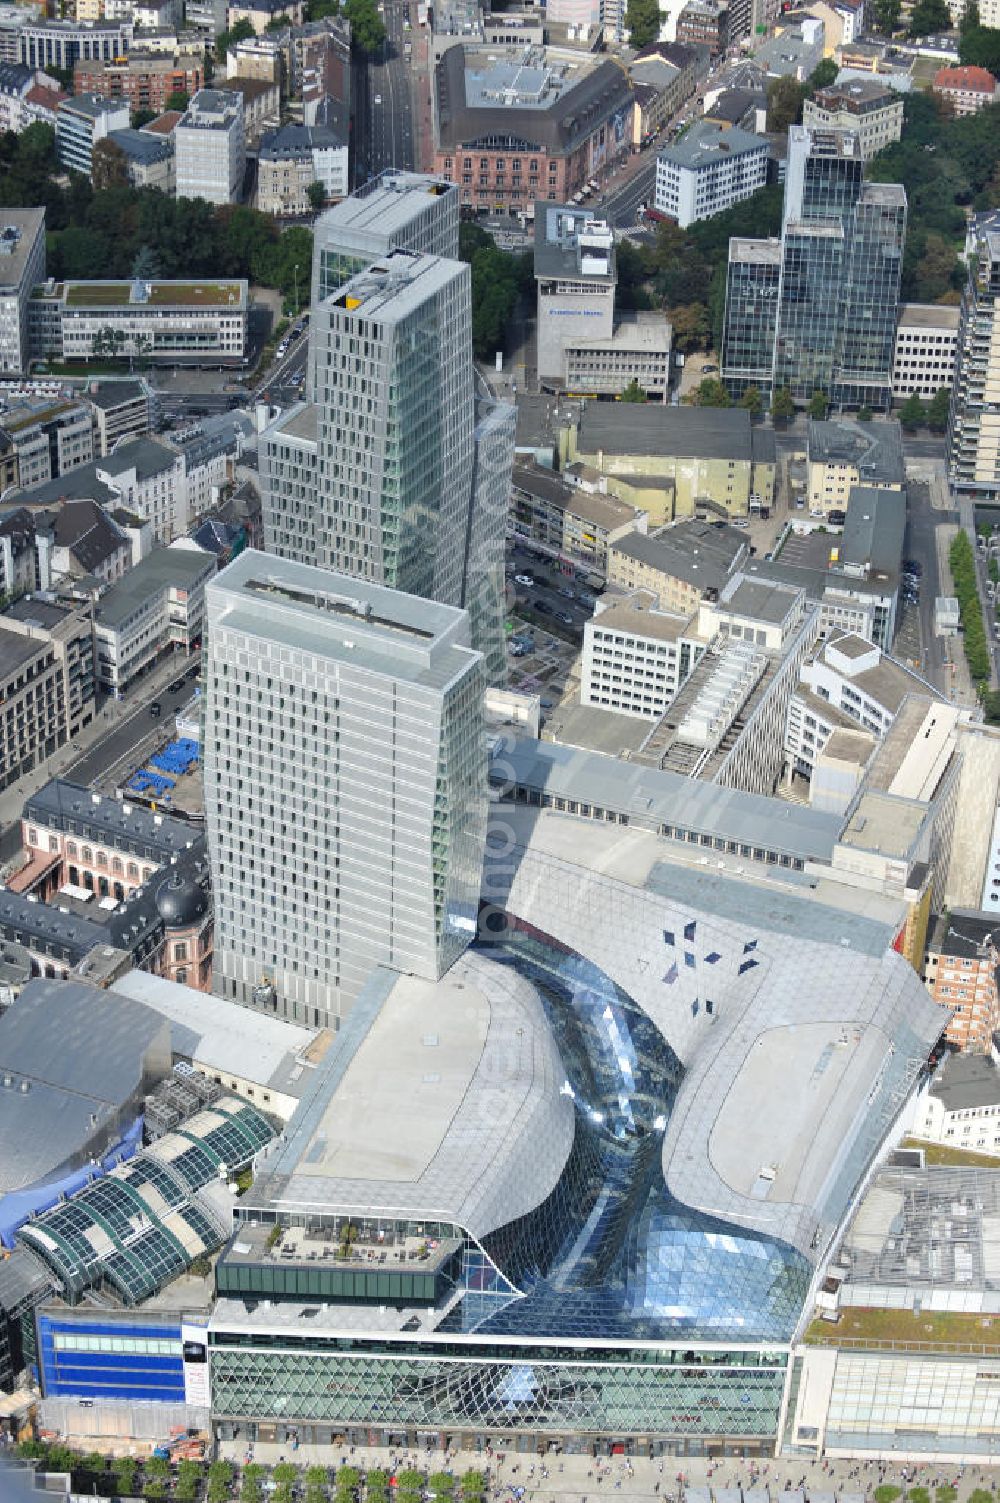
<point>395,211</point>
<point>391,471</point>
<point>753,282</point>
<point>395,455</point>
<point>817,311</point>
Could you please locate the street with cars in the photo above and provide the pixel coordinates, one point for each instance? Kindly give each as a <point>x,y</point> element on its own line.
<point>382,112</point>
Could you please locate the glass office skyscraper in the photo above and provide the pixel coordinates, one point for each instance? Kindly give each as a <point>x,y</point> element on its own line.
<point>752,285</point>
<point>393,424</point>
<point>397,468</point>
<point>817,310</point>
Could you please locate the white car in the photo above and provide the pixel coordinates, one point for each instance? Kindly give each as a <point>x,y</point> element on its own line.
<point>524,579</point>
<point>378,98</point>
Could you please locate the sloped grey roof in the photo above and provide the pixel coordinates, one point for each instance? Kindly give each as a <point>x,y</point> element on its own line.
<point>88,532</point>
<point>789,975</point>
<point>74,1056</point>
<point>559,128</point>
<point>704,432</point>
<point>68,806</point>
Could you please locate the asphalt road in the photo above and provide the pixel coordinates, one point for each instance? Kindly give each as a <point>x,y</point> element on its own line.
<point>132,733</point>
<point>621,206</point>
<point>130,725</point>
<point>921,522</point>
<point>192,405</point>
<point>281,385</point>
<point>381,99</point>
<point>547,588</point>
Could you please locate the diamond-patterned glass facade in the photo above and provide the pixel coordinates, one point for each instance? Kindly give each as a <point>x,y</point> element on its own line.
<point>608,1255</point>
<point>608,1393</point>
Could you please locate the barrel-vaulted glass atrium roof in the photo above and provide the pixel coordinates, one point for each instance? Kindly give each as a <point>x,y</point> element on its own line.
<point>145,1222</point>
<point>644,1105</point>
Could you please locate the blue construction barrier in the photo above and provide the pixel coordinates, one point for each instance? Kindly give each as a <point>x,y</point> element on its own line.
<point>177,757</point>
<point>149,782</point>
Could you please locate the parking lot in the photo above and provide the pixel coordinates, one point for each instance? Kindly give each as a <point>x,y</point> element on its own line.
<point>547,669</point>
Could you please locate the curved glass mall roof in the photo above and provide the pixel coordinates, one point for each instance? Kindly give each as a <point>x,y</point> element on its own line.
<point>647,1102</point>
<point>145,1222</point>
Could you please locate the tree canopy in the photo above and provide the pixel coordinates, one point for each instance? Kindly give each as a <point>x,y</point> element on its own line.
<point>241,32</point>
<point>367,30</point>
<point>784,103</point>
<point>101,231</point>
<point>929,16</point>
<point>937,410</point>
<point>884,15</point>
<point>497,281</point>
<point>108,165</point>
<point>782,404</point>
<point>947,165</point>
<point>979,46</point>
<point>643,20</point>
<point>712,393</point>
<point>824,74</point>
<point>911,414</point>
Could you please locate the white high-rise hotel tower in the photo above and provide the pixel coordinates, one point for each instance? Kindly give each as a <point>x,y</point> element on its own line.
<point>345,784</point>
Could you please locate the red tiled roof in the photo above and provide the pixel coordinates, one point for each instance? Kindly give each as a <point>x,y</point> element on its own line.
<point>969,79</point>
<point>164,124</point>
<point>39,94</point>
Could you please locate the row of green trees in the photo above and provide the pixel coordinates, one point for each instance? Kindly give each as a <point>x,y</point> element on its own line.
<point>711,392</point>
<point>104,232</point>
<point>947,166</point>
<point>498,280</point>
<point>349,1484</point>
<point>129,1477</point>
<point>963,573</point>
<point>154,1479</point>
<point>888,1492</point>
<point>915,413</point>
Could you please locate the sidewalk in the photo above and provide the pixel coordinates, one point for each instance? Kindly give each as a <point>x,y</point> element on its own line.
<point>932,472</point>
<point>420,99</point>
<point>582,1479</point>
<point>961,683</point>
